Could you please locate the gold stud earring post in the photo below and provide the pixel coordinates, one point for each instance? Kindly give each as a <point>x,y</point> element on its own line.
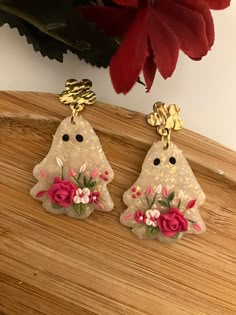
<point>77,95</point>
<point>165,118</point>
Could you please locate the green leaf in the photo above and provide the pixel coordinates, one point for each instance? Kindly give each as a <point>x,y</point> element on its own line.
<point>92,185</point>
<point>179,203</point>
<point>163,203</point>
<point>171,196</point>
<point>56,206</point>
<point>151,231</point>
<point>80,208</point>
<point>176,235</point>
<point>77,208</point>
<point>85,181</point>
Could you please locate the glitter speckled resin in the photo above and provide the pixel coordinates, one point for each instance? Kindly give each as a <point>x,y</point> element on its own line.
<point>73,177</point>
<point>164,202</point>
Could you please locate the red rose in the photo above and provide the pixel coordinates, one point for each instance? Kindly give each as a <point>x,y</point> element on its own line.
<point>62,192</point>
<point>172,222</point>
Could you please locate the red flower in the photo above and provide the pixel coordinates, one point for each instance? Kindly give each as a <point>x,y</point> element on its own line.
<point>218,4</point>
<point>154,32</point>
<point>172,222</point>
<point>191,204</point>
<point>62,192</point>
<point>140,216</point>
<point>94,196</point>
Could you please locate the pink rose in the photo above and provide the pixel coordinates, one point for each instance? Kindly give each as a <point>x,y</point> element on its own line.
<point>62,192</point>
<point>172,222</point>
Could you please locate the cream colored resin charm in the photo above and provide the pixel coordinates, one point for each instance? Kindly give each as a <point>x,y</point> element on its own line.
<point>73,177</point>
<point>164,202</point>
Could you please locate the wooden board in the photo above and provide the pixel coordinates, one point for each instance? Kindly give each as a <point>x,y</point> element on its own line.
<point>57,265</point>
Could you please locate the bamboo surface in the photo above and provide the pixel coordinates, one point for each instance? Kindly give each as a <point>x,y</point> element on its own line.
<point>56,265</point>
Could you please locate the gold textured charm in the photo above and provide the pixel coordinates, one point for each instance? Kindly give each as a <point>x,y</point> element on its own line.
<point>164,202</point>
<point>73,177</point>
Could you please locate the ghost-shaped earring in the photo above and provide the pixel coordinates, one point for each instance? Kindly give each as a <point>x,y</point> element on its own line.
<point>163,203</point>
<point>73,177</point>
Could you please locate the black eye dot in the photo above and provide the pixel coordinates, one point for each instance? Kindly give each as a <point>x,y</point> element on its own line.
<point>65,137</point>
<point>172,160</point>
<point>79,138</point>
<point>157,161</point>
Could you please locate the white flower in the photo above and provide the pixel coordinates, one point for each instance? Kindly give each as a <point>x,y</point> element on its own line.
<point>82,196</point>
<point>151,216</point>
<point>82,168</point>
<point>181,194</point>
<point>59,162</point>
<point>159,189</point>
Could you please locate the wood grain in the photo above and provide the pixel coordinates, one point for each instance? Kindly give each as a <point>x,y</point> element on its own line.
<point>57,265</point>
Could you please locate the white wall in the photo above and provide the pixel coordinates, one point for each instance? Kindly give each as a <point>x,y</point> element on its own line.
<point>206,90</point>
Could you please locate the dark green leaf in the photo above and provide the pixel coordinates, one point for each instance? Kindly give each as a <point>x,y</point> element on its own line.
<point>85,181</point>
<point>55,26</point>
<point>171,196</point>
<point>92,185</point>
<point>152,231</point>
<point>41,42</point>
<point>179,203</point>
<point>163,203</point>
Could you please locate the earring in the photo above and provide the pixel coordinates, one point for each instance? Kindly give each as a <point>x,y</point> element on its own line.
<point>73,177</point>
<point>163,203</point>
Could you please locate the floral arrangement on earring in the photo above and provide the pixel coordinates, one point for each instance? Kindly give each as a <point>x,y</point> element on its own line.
<point>162,213</point>
<point>78,193</point>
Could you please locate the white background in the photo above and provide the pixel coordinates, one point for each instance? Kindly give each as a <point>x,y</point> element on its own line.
<point>205,90</point>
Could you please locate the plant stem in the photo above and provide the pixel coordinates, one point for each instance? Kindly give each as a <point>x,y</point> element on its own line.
<point>168,202</point>
<point>191,221</point>
<point>153,201</point>
<point>148,202</point>
<point>78,178</point>
<point>142,201</point>
<point>75,179</point>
